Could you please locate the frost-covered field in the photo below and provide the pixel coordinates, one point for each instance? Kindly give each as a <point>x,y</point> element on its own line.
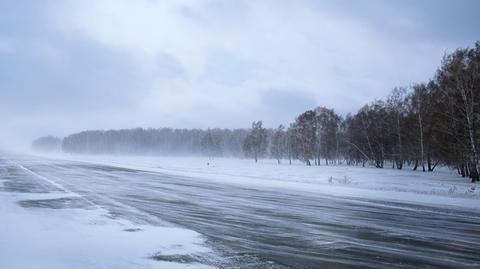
<point>442,186</point>
<point>166,212</point>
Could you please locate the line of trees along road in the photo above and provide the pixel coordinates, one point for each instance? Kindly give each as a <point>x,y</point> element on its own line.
<point>420,127</point>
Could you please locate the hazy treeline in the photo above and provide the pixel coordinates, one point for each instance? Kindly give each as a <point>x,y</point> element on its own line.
<point>420,126</point>
<point>212,142</point>
<point>47,144</point>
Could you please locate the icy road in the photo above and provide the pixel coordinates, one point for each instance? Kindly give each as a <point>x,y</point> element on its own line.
<point>255,226</point>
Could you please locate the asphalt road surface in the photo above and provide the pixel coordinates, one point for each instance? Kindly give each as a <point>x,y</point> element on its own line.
<point>260,227</point>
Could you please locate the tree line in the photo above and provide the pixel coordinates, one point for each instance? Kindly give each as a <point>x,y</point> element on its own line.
<point>47,144</point>
<point>419,127</point>
<point>164,141</point>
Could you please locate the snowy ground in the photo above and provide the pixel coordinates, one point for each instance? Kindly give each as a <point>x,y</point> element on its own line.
<point>159,212</point>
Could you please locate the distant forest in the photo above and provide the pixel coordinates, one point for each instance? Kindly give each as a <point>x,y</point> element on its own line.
<point>420,127</point>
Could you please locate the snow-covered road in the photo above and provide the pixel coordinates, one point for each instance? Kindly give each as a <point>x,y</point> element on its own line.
<point>254,225</point>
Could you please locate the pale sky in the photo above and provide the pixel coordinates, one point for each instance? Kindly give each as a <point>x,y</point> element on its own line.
<point>67,66</point>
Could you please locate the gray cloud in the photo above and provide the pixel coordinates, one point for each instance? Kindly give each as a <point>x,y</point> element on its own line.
<point>285,104</point>
<point>73,65</point>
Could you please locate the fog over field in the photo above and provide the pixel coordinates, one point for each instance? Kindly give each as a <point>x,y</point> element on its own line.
<point>239,134</point>
<point>82,65</point>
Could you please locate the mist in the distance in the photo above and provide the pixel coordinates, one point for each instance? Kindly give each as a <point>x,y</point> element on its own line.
<point>87,65</point>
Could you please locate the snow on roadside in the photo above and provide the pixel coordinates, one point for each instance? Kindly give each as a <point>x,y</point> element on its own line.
<point>85,238</point>
<point>442,187</point>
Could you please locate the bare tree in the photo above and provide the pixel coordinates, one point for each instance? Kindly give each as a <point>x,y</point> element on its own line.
<point>305,135</point>
<point>255,144</point>
<point>278,145</point>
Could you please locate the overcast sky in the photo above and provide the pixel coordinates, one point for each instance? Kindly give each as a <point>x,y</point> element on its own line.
<point>67,66</point>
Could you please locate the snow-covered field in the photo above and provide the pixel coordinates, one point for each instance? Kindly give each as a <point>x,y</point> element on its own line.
<point>69,211</point>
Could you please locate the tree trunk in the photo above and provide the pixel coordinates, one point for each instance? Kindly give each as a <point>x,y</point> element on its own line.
<point>422,153</point>
<point>337,148</point>
<point>319,150</point>
<point>469,112</point>
<point>474,174</point>
<point>400,148</point>
<point>429,163</point>
<point>433,167</point>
